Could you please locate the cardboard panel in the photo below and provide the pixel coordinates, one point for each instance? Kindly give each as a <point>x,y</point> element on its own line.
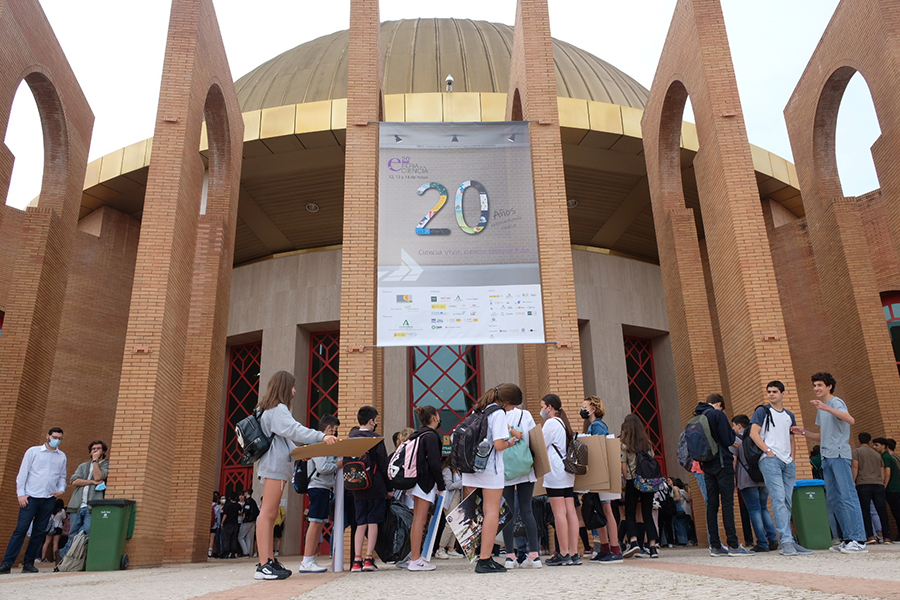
<point>614,466</point>
<point>539,450</point>
<point>345,447</point>
<point>598,475</point>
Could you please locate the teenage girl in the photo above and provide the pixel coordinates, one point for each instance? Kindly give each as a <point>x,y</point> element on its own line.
<point>592,411</point>
<point>634,439</point>
<point>453,488</point>
<point>523,487</point>
<point>560,484</point>
<point>492,480</point>
<point>429,481</point>
<point>275,467</point>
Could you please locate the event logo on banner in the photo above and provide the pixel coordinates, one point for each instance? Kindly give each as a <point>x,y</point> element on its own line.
<point>457,242</point>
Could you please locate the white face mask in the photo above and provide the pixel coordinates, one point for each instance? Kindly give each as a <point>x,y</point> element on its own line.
<point>222,501</point>
<point>544,414</point>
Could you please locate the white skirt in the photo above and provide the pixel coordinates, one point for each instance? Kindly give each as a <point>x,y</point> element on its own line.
<point>428,497</point>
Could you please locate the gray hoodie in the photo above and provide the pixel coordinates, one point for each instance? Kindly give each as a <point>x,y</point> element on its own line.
<point>277,462</point>
<point>322,471</point>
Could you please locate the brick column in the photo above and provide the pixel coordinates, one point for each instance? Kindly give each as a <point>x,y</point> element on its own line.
<point>532,96</point>
<point>36,285</point>
<point>171,388</point>
<point>358,358</point>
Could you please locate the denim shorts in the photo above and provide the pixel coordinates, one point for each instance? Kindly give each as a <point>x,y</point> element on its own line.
<point>319,499</point>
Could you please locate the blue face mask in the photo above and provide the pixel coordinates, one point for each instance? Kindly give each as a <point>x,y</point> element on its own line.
<point>54,443</point>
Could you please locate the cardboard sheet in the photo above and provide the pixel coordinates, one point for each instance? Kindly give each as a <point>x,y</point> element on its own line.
<point>614,462</point>
<point>539,451</point>
<point>344,447</point>
<point>597,476</point>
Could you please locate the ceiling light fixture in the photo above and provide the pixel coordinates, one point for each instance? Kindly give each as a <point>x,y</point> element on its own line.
<point>571,203</point>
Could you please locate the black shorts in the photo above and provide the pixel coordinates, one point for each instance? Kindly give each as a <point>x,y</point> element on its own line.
<point>279,529</point>
<point>370,511</point>
<point>561,492</point>
<point>55,531</point>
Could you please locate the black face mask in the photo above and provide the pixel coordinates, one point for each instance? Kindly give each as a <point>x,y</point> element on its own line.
<point>585,414</point>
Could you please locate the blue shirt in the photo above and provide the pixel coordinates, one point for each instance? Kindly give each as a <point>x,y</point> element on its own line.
<point>835,433</point>
<point>598,427</point>
<point>43,472</point>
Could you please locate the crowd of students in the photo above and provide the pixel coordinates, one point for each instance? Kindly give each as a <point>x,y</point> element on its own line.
<point>871,471</point>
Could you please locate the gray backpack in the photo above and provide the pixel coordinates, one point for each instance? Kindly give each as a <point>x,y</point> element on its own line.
<point>75,558</point>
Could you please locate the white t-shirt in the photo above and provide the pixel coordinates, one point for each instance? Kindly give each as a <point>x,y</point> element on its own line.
<point>521,419</point>
<point>492,478</point>
<point>777,436</point>
<point>555,438</point>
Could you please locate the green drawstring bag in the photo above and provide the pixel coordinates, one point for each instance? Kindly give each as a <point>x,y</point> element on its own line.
<point>517,459</point>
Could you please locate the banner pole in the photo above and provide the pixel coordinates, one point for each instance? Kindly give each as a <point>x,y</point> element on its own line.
<point>337,527</point>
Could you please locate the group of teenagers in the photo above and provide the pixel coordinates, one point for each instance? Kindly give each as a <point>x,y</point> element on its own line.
<point>506,428</point>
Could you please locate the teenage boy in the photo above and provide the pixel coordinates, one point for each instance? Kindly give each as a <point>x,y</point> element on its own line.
<point>891,481</point>
<point>869,473</point>
<point>770,429</point>
<point>834,423</point>
<point>754,493</point>
<point>321,471</point>
<point>719,476</point>
<point>370,504</point>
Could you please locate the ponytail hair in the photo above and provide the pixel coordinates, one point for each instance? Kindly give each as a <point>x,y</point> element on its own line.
<point>425,414</point>
<point>553,401</point>
<point>506,393</point>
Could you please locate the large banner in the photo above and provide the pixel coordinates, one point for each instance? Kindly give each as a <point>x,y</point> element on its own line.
<point>457,243</point>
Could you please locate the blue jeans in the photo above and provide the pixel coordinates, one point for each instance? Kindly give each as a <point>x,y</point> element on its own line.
<point>37,511</point>
<point>756,498</point>
<point>681,521</point>
<point>839,485</point>
<point>701,481</point>
<point>780,477</point>
<point>80,521</point>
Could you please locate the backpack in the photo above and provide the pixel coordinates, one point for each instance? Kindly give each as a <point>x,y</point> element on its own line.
<point>76,556</point>
<point>402,467</point>
<point>250,437</point>
<point>592,511</point>
<point>302,476</point>
<point>466,437</point>
<point>576,459</point>
<point>701,444</point>
<point>748,455</point>
<point>647,473</point>
<point>358,474</point>
<point>683,453</point>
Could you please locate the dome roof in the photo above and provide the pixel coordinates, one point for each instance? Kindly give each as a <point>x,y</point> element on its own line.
<point>418,56</point>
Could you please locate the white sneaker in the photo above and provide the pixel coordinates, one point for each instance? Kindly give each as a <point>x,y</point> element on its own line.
<point>420,565</point>
<point>441,554</point>
<point>532,563</point>
<point>854,547</point>
<point>276,553</point>
<point>838,547</point>
<point>511,563</point>
<point>311,567</point>
<point>452,553</point>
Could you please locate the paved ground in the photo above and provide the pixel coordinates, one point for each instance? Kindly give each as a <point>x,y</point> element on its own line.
<point>678,573</point>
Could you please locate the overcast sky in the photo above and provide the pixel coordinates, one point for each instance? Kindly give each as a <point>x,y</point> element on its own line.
<point>116,49</point>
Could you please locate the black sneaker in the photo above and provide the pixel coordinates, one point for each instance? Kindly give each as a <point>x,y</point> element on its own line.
<point>758,548</point>
<point>654,552</point>
<point>268,571</point>
<point>555,560</point>
<point>280,568</point>
<point>576,560</point>
<point>30,568</point>
<point>4,568</point>
<point>630,550</point>
<point>489,566</point>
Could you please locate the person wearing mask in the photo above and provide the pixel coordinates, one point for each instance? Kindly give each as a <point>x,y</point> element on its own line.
<point>634,439</point>
<point>521,487</point>
<point>558,482</point>
<point>429,481</point>
<point>593,411</point>
<point>90,475</point>
<point>370,504</point>
<point>322,473</point>
<point>41,480</point>
<point>275,468</point>
<point>492,480</point>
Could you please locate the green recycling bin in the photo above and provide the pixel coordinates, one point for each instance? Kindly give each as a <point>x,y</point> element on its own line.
<point>810,514</point>
<point>112,522</point>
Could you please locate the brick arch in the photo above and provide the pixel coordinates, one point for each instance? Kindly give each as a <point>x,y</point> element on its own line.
<point>669,155</point>
<point>35,287</point>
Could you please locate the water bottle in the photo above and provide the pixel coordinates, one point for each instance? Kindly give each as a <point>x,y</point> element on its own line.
<point>481,455</point>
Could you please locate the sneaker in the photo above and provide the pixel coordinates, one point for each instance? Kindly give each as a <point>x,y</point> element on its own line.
<point>441,554</point>
<point>530,563</point>
<point>740,551</point>
<point>801,550</point>
<point>402,564</point>
<point>356,567</point>
<point>276,553</point>
<point>452,553</point>
<point>758,548</point>
<point>642,553</point>
<point>420,565</point>
<point>4,569</point>
<point>576,560</point>
<point>630,550</point>
<point>489,566</point>
<point>838,547</point>
<point>369,564</point>
<point>611,558</point>
<point>788,549</point>
<point>311,567</point>
<point>511,563</point>
<point>654,552</point>
<point>854,547</point>
<point>713,551</point>
<point>773,545</point>
<point>268,571</point>
<point>896,542</point>
<point>872,540</point>
<point>30,568</point>
<point>210,553</point>
<point>555,560</point>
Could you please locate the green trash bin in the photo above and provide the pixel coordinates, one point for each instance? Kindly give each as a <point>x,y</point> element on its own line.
<point>112,522</point>
<point>810,514</point>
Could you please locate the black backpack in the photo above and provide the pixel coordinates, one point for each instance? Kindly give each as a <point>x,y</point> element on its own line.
<point>466,437</point>
<point>302,476</point>
<point>749,453</point>
<point>592,511</point>
<point>250,437</point>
